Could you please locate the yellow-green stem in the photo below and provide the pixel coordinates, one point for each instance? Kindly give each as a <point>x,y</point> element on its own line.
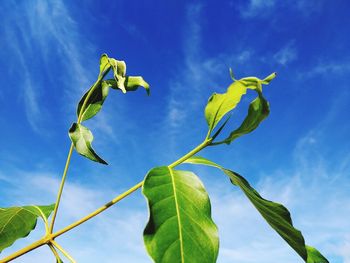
<point>63,180</point>
<point>58,200</point>
<point>25,250</point>
<point>54,251</point>
<point>65,253</point>
<point>98,211</point>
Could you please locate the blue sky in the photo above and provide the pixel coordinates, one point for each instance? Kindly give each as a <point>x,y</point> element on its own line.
<point>299,156</point>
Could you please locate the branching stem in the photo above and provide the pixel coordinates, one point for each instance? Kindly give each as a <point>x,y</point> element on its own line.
<point>65,253</point>
<point>64,176</point>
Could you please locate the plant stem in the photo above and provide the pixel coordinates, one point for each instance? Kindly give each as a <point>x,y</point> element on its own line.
<point>65,253</point>
<point>98,211</point>
<point>54,251</point>
<point>50,237</point>
<point>128,192</point>
<point>191,153</point>
<point>25,250</point>
<point>63,180</point>
<point>58,200</point>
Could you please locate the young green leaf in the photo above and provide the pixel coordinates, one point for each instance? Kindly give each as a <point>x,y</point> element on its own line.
<point>258,110</point>
<point>119,71</point>
<point>104,65</point>
<point>314,256</point>
<point>18,222</point>
<point>132,83</point>
<point>180,228</point>
<point>82,138</point>
<point>95,101</point>
<point>220,104</point>
<point>276,215</point>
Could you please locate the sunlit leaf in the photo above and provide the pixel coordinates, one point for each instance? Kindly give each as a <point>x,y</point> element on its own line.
<point>220,104</point>
<point>82,139</point>
<point>104,65</point>
<point>18,222</point>
<point>258,110</point>
<point>119,72</point>
<point>275,214</point>
<point>314,256</point>
<point>95,101</point>
<point>132,83</point>
<point>180,228</point>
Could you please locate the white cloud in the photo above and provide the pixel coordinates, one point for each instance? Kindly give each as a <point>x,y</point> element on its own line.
<point>327,68</point>
<point>37,33</point>
<point>257,8</point>
<point>286,54</point>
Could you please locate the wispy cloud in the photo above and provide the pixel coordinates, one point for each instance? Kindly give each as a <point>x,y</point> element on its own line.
<point>286,55</point>
<point>44,35</point>
<point>327,68</point>
<point>198,77</point>
<point>257,8</point>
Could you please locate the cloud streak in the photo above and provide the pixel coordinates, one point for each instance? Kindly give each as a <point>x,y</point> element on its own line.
<point>43,36</point>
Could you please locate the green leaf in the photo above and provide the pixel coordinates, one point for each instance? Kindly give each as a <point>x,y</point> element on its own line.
<point>18,222</point>
<point>220,104</point>
<point>132,83</point>
<point>119,71</point>
<point>258,110</point>
<point>82,139</point>
<point>276,215</point>
<point>104,65</point>
<point>314,256</point>
<point>180,228</point>
<point>95,101</point>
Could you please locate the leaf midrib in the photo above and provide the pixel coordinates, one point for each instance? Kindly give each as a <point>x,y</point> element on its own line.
<point>178,214</point>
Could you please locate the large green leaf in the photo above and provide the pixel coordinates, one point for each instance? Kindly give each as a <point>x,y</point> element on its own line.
<point>180,228</point>
<point>94,104</point>
<point>18,222</point>
<point>82,139</point>
<point>220,104</point>
<point>275,214</point>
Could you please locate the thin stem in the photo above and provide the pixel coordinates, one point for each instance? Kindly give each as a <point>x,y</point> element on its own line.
<point>54,251</point>
<point>24,250</point>
<point>128,192</point>
<point>98,211</point>
<point>65,253</point>
<point>191,153</point>
<point>63,180</point>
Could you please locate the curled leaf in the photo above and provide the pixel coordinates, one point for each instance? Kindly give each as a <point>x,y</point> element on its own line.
<point>104,65</point>
<point>119,72</point>
<point>82,138</point>
<point>220,104</point>
<point>95,101</point>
